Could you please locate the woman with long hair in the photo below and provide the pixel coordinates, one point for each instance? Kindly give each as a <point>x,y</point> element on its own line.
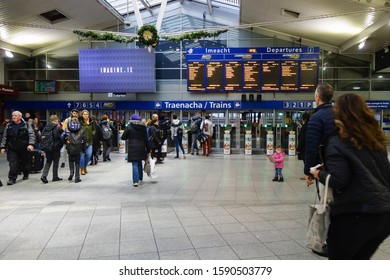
<point>356,158</point>
<point>88,126</point>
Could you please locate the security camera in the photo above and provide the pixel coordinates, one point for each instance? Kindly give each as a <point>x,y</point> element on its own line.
<point>127,22</point>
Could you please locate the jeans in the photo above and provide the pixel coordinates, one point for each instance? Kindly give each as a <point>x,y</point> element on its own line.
<point>278,172</point>
<point>178,144</point>
<point>137,171</point>
<point>85,157</point>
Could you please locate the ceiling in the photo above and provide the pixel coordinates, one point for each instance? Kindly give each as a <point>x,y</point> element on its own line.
<point>335,25</point>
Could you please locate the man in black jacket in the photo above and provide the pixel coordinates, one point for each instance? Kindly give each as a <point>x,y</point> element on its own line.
<point>18,139</point>
<point>320,126</point>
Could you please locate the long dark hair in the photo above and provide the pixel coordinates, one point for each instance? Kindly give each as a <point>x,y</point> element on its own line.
<point>357,124</point>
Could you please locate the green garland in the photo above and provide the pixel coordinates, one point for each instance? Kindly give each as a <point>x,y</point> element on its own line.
<point>147,35</point>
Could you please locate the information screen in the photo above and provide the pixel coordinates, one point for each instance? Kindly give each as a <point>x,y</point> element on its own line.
<point>287,69</point>
<point>45,86</point>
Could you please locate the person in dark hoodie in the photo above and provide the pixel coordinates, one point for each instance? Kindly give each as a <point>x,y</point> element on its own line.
<point>53,154</point>
<point>18,139</point>
<point>108,132</point>
<point>137,146</point>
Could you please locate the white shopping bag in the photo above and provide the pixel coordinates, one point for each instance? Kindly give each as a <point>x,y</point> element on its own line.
<point>153,173</point>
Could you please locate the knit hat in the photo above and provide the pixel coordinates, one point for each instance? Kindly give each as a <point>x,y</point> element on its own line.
<point>135,117</point>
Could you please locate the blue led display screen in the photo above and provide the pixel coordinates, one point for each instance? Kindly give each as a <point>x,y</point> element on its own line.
<point>117,70</point>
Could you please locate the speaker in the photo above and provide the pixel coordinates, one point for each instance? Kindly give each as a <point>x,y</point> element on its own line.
<point>243,97</point>
<point>258,98</point>
<point>251,97</point>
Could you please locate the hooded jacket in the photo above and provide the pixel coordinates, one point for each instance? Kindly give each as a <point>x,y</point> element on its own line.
<point>176,123</point>
<point>138,144</point>
<point>57,132</point>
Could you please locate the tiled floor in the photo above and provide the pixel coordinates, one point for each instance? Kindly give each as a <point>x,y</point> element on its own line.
<point>220,207</point>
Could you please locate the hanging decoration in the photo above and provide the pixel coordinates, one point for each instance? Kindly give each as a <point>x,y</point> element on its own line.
<point>148,36</point>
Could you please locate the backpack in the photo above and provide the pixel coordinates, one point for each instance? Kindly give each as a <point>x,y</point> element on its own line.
<point>179,132</point>
<point>107,131</point>
<point>159,134</point>
<point>47,140</point>
<point>194,126</point>
<point>74,143</point>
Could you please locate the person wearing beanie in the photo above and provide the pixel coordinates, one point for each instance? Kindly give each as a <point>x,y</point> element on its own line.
<point>137,146</point>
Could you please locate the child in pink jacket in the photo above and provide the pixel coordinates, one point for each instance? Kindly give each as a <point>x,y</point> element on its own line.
<point>279,164</point>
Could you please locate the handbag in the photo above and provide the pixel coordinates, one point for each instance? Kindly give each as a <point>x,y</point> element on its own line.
<point>319,221</point>
<point>147,166</point>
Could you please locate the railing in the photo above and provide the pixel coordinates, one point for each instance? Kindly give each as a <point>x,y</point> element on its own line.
<point>235,3</point>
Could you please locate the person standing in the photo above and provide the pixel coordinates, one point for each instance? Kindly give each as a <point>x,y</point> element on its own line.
<point>302,137</point>
<point>88,126</point>
<point>137,146</point>
<point>108,131</point>
<point>278,159</point>
<point>52,152</point>
<point>196,120</point>
<point>207,129</point>
<point>320,126</point>
<point>155,139</point>
<point>18,140</point>
<point>177,130</point>
<point>357,160</point>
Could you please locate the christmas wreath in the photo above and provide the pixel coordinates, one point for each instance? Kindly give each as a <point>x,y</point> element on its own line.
<point>147,35</point>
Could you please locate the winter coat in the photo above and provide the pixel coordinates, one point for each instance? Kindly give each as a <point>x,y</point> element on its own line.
<point>89,130</point>
<point>24,136</point>
<point>360,178</point>
<point>137,144</point>
<point>176,123</point>
<point>155,137</point>
<point>320,126</point>
<point>57,133</point>
<point>279,159</point>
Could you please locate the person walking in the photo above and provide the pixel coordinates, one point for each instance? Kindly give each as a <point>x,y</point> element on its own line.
<point>155,139</point>
<point>356,158</point>
<point>137,146</point>
<point>195,122</point>
<point>88,126</point>
<point>207,129</point>
<point>108,131</point>
<point>51,144</point>
<point>75,144</point>
<point>177,130</point>
<point>18,140</point>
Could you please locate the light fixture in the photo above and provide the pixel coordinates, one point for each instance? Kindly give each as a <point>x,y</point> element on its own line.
<point>9,53</point>
<point>361,45</point>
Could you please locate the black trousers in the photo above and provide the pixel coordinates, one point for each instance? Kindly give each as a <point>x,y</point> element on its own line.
<point>52,157</point>
<point>74,165</point>
<point>18,161</point>
<point>356,236</point>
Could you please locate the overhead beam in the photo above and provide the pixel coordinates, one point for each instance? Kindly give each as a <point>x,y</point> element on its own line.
<point>365,34</point>
<point>15,49</point>
<point>210,5</point>
<point>147,7</point>
<point>161,14</point>
<point>137,14</point>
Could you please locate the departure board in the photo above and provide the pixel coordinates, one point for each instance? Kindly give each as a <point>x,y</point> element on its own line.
<point>271,74</point>
<point>289,77</point>
<point>233,74</point>
<point>276,69</point>
<point>196,76</point>
<point>309,73</point>
<point>251,75</point>
<point>214,76</point>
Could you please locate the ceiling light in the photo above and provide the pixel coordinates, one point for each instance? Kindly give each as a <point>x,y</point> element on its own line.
<point>9,53</point>
<point>361,45</point>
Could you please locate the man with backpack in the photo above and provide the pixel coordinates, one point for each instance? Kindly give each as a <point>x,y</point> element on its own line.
<point>177,130</point>
<point>155,139</point>
<point>196,120</point>
<point>207,129</point>
<point>108,131</point>
<point>75,144</point>
<point>51,144</point>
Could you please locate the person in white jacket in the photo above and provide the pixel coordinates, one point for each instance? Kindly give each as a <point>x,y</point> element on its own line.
<point>177,131</point>
<point>207,129</point>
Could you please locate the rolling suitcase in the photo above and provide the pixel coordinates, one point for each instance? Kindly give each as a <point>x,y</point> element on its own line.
<point>37,160</point>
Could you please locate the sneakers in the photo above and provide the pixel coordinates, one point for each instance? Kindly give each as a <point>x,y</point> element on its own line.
<point>176,156</point>
<point>57,179</point>
<point>77,180</point>
<point>10,182</point>
<point>70,178</point>
<point>184,156</point>
<point>135,185</point>
<point>25,177</point>
<point>275,179</point>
